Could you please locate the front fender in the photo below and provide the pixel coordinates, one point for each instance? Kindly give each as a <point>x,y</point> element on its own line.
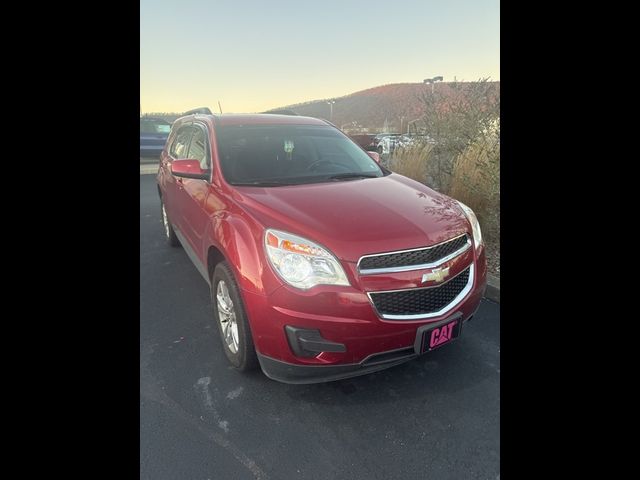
<point>240,240</point>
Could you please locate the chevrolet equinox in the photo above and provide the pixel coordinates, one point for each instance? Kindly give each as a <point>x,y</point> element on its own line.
<point>322,264</point>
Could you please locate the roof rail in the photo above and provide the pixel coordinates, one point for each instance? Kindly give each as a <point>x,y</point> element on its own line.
<point>202,110</point>
<point>281,112</point>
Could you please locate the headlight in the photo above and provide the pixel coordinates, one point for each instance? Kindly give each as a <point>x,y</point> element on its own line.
<point>302,263</point>
<point>475,225</point>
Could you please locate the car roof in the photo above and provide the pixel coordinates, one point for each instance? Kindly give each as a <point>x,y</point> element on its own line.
<point>262,119</point>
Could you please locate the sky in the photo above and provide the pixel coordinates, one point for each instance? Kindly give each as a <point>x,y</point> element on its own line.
<point>253,55</point>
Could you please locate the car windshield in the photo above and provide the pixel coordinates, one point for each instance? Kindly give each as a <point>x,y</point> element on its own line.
<point>154,126</point>
<point>273,155</point>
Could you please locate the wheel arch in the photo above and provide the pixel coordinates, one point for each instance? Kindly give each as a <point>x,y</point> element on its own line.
<point>214,257</point>
<point>233,239</point>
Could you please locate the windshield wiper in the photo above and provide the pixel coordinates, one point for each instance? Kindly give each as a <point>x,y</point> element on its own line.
<point>303,180</point>
<point>257,183</point>
<point>346,176</point>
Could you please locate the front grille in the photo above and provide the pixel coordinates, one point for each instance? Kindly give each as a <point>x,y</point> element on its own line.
<point>422,256</point>
<point>420,301</point>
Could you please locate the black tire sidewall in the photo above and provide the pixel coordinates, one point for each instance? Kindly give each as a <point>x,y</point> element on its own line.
<point>245,359</point>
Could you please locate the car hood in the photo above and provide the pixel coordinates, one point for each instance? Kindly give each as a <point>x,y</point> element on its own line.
<point>357,217</point>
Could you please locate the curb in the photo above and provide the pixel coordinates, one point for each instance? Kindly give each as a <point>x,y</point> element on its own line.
<point>493,288</point>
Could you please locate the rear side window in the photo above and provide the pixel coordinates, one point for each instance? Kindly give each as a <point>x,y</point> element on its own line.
<point>179,146</point>
<point>198,148</point>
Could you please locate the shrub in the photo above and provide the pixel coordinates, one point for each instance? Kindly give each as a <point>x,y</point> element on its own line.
<point>476,182</point>
<point>455,118</point>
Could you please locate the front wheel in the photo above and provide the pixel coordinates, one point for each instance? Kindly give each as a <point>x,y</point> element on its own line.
<point>233,325</point>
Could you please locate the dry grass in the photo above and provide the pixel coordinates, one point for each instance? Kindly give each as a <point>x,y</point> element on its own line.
<point>412,162</point>
<point>476,175</point>
<point>476,182</point>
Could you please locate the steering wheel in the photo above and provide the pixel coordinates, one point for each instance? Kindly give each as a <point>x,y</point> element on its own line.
<point>328,162</point>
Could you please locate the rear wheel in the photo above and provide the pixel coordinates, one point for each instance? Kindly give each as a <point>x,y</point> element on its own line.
<point>233,325</point>
<point>169,233</point>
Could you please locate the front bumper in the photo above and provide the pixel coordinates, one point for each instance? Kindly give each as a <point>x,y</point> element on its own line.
<point>342,316</point>
<point>304,374</point>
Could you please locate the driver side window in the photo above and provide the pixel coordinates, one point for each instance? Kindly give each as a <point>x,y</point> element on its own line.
<point>198,148</point>
<point>179,147</point>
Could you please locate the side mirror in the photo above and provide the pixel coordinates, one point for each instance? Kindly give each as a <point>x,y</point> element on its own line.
<point>189,169</point>
<point>375,156</point>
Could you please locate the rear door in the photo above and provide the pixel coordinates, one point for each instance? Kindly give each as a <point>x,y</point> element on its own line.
<point>172,187</point>
<point>194,191</point>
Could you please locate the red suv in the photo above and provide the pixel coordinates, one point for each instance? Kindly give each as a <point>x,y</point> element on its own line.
<point>322,264</point>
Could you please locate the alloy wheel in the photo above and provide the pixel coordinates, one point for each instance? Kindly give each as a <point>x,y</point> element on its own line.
<point>227,317</point>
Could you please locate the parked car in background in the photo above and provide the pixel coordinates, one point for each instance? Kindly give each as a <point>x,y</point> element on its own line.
<point>153,136</point>
<point>365,140</point>
<point>383,142</point>
<point>408,140</point>
<point>388,143</point>
<point>321,263</point>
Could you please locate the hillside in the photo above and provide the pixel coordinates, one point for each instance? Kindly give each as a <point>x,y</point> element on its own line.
<point>372,107</point>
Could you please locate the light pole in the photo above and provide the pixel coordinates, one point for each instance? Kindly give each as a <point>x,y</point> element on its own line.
<point>330,103</point>
<point>432,81</point>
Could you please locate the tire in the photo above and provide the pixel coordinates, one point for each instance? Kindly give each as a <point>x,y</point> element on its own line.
<point>169,233</point>
<point>380,149</point>
<point>237,341</point>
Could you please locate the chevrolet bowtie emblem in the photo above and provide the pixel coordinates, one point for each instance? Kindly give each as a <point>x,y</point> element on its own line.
<point>436,275</point>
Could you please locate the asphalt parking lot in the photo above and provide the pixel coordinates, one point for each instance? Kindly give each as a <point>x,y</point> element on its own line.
<point>436,417</point>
